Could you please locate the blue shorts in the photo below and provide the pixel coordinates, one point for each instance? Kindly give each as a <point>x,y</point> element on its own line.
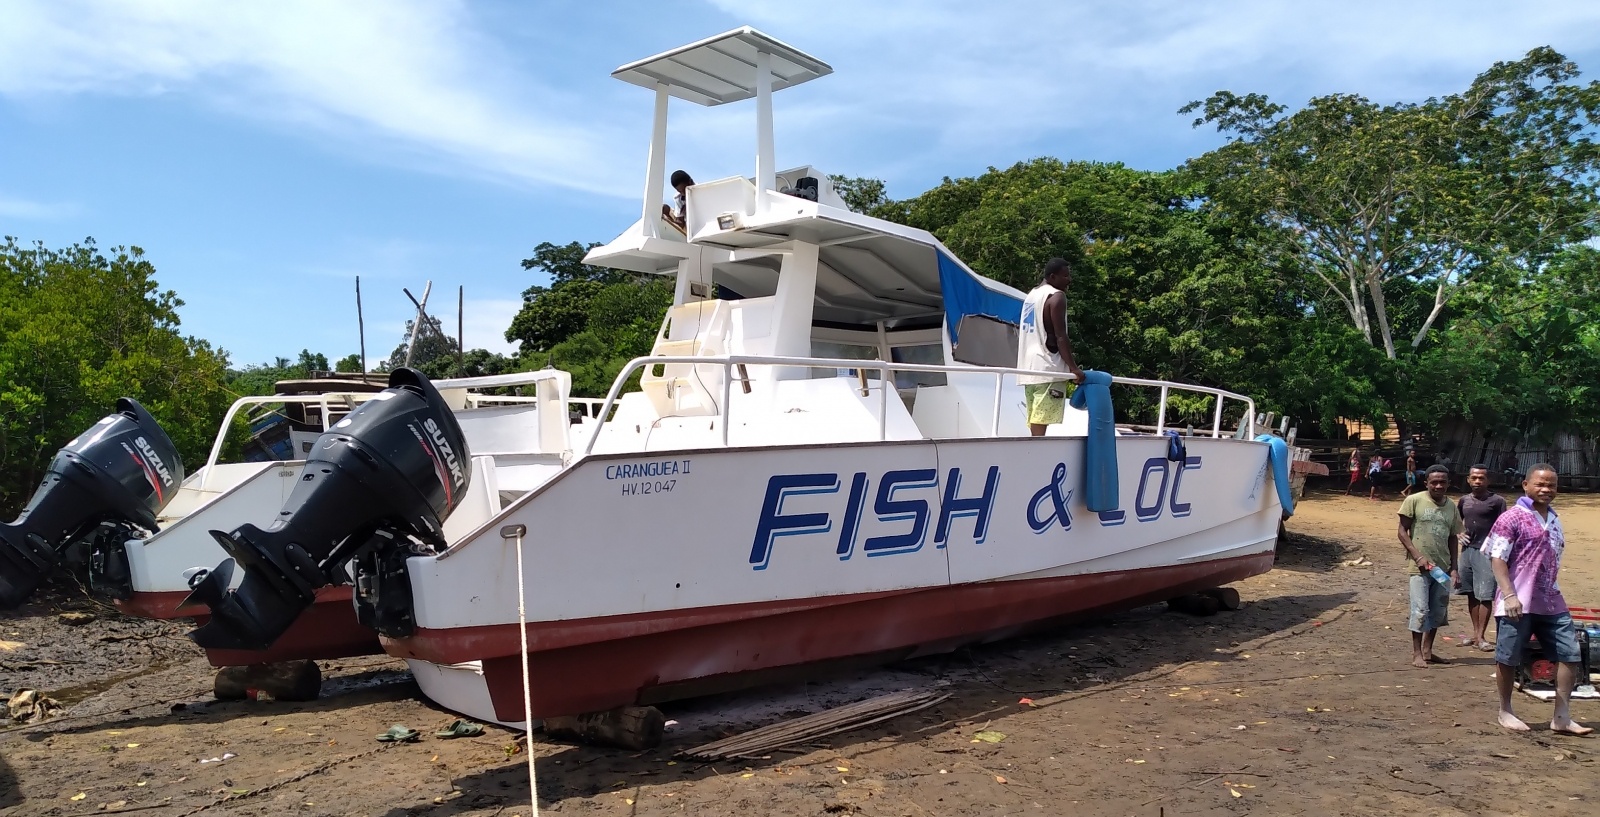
<point>1557,638</point>
<point>1411,477</point>
<point>1430,605</point>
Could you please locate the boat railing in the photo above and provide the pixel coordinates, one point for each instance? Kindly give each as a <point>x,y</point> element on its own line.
<point>347,401</point>
<point>886,371</point>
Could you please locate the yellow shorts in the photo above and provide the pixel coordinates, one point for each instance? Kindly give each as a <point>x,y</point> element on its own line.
<point>1046,402</point>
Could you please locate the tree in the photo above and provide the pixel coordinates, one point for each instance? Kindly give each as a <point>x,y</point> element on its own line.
<point>1411,200</point>
<point>867,196</point>
<point>78,329</point>
<point>349,363</point>
<point>589,320</point>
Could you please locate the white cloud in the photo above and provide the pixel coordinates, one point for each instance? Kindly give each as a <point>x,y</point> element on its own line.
<point>407,75</point>
<point>958,77</point>
<point>11,207</point>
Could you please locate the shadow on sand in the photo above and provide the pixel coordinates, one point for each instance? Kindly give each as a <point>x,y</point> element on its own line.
<point>1094,657</point>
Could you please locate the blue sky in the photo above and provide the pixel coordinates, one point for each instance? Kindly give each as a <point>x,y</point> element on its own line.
<point>265,153</point>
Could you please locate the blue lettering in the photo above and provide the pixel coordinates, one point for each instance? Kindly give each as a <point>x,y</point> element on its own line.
<point>1149,512</point>
<point>979,506</point>
<point>1111,519</point>
<point>852,516</point>
<point>773,521</point>
<point>640,470</point>
<point>1181,509</point>
<point>889,509</point>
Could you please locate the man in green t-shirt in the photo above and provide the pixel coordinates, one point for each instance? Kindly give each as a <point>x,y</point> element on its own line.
<point>1429,529</point>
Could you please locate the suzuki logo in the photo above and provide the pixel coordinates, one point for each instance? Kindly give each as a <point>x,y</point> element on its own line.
<point>155,462</point>
<point>444,448</point>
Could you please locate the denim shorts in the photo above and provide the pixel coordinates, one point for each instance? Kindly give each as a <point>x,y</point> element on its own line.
<point>1557,638</point>
<point>1477,576</point>
<point>1430,604</point>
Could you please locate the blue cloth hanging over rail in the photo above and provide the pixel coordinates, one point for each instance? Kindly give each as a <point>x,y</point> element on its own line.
<point>1278,456</point>
<point>1100,449</point>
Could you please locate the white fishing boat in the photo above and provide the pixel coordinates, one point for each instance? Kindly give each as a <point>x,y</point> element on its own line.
<point>827,459</point>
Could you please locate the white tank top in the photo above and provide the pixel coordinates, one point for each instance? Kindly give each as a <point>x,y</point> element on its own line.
<point>1031,351</point>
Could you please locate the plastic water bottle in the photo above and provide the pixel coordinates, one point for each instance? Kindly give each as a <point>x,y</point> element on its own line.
<point>1439,575</point>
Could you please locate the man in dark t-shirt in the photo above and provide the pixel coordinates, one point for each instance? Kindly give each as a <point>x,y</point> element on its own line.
<point>1479,510</point>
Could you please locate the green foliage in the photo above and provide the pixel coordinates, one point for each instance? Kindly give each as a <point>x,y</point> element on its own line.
<point>1393,209</point>
<point>590,320</point>
<point>261,378</point>
<point>79,329</point>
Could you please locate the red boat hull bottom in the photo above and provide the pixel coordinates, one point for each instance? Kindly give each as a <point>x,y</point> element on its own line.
<point>327,630</point>
<point>749,644</point>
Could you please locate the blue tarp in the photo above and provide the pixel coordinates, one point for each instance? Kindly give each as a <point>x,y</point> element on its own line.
<point>965,295</point>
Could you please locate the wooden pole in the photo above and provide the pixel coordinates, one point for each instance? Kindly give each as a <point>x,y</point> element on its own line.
<point>461,346</point>
<point>361,327</point>
<point>422,315</point>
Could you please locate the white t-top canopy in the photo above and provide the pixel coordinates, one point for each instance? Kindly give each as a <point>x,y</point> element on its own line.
<point>722,69</point>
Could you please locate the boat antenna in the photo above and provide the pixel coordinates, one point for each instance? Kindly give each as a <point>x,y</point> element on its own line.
<point>461,346</point>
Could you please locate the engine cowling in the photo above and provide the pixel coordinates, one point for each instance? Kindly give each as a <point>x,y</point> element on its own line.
<point>386,476</point>
<point>121,472</point>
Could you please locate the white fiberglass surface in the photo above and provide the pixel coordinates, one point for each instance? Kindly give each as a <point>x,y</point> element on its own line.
<point>628,534</point>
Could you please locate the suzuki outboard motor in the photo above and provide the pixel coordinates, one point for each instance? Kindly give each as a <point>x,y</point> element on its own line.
<point>377,486</point>
<point>120,473</point>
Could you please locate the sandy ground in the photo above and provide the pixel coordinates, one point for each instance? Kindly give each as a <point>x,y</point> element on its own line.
<point>1304,702</point>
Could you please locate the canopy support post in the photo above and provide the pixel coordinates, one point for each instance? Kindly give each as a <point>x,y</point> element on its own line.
<point>656,172</point>
<point>766,172</point>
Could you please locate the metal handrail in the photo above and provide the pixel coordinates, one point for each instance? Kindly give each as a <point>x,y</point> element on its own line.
<point>350,399</point>
<point>885,369</point>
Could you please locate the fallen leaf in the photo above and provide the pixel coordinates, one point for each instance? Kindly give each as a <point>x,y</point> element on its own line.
<point>116,804</point>
<point>628,800</point>
<point>1235,792</point>
<point>842,769</point>
<point>142,783</point>
<point>79,796</point>
<point>8,646</point>
<point>748,775</point>
<point>990,736</point>
<point>133,746</point>
<point>999,779</point>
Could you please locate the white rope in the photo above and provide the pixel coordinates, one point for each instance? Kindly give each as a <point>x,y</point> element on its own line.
<point>527,689</point>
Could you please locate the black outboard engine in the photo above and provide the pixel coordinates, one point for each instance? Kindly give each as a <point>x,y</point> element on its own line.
<point>376,487</point>
<point>120,473</point>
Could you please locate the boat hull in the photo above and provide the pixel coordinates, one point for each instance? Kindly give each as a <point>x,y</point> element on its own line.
<point>738,564</point>
<point>607,667</point>
<point>328,629</point>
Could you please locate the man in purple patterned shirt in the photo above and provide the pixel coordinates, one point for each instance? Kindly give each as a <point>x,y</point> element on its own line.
<point>1524,547</point>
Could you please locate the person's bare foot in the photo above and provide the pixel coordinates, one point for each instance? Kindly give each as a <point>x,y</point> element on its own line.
<point>1570,728</point>
<point>1434,659</point>
<point>1419,662</point>
<point>1512,722</point>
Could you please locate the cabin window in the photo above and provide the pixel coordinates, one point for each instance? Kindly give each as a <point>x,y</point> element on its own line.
<point>846,351</point>
<point>986,342</point>
<point>932,353</point>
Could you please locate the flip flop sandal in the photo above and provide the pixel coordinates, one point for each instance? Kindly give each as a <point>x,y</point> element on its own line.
<point>400,733</point>
<point>460,728</point>
<point>1485,646</point>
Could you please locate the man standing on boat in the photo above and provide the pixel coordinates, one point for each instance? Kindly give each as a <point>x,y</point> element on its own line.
<point>1044,348</point>
<point>1429,527</point>
<point>1525,549</point>
<point>1478,510</point>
